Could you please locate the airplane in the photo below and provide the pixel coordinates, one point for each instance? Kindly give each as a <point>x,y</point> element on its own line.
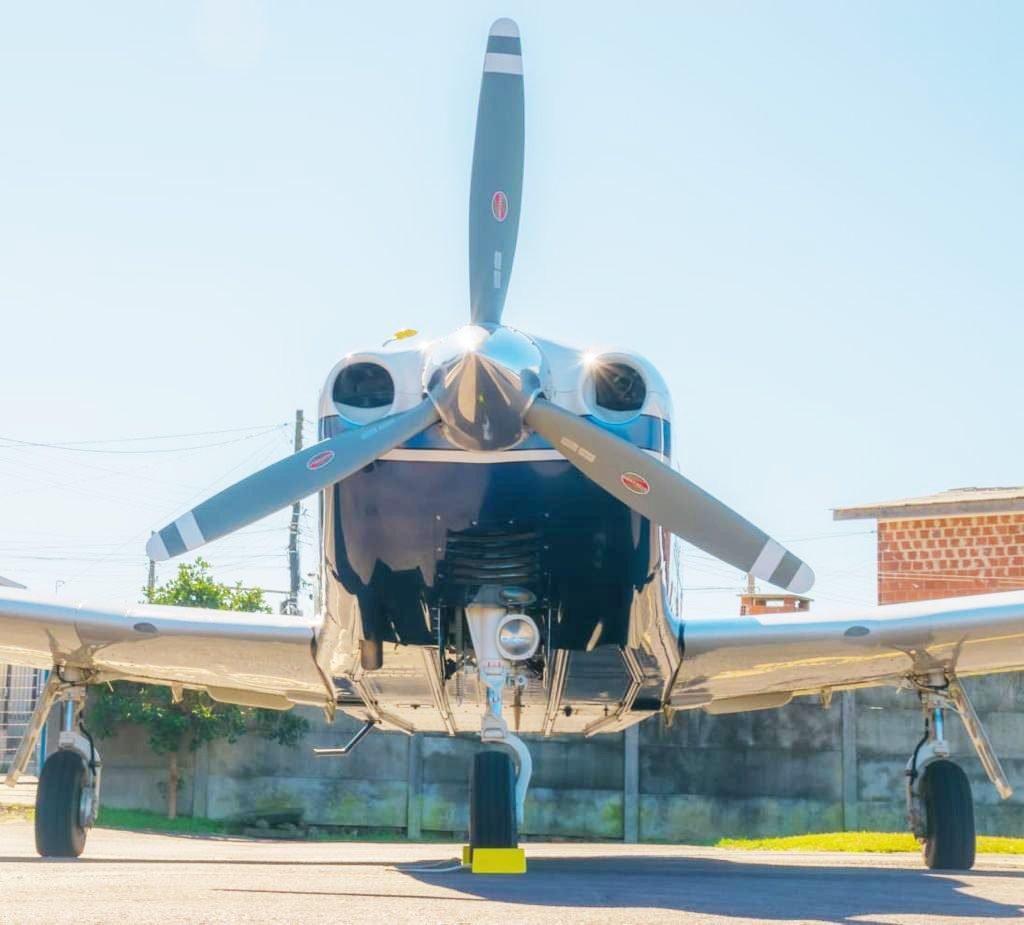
<point>500,521</point>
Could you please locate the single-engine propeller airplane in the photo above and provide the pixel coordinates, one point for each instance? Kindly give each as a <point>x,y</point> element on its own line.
<point>498,523</point>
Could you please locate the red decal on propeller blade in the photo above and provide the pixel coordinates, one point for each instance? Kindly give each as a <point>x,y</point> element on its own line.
<point>499,206</point>
<point>635,483</point>
<point>320,460</point>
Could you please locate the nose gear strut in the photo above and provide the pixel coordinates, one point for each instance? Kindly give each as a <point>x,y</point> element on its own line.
<point>484,620</point>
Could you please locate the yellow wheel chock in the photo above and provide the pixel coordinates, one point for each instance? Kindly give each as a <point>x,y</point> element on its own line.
<point>494,860</point>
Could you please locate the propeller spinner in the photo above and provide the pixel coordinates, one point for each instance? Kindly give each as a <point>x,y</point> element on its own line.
<point>487,382</point>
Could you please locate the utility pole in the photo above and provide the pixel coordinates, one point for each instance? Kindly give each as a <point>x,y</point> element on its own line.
<point>151,580</point>
<point>291,605</point>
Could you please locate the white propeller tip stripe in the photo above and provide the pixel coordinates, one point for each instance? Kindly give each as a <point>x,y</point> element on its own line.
<point>505,28</point>
<point>498,63</point>
<point>768,561</point>
<point>802,581</point>
<point>191,535</point>
<point>156,550</point>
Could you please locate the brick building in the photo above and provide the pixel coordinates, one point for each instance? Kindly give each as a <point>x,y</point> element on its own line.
<point>964,541</point>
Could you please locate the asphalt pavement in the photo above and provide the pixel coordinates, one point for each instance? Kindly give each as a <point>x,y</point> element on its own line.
<point>126,877</point>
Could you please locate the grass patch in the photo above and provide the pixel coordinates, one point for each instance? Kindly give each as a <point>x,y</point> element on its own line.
<point>327,833</point>
<point>140,820</point>
<point>144,821</point>
<point>872,842</point>
<point>16,813</point>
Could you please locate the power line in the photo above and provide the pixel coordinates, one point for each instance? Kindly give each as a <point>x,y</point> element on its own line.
<point>12,443</point>
<point>1018,581</point>
<point>195,433</point>
<point>828,536</point>
<point>261,450</point>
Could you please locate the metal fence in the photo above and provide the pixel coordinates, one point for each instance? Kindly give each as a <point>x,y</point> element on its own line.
<point>19,690</point>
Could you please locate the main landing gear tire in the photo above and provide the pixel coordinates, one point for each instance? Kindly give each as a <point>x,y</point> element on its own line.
<point>492,801</point>
<point>949,842</point>
<point>59,832</point>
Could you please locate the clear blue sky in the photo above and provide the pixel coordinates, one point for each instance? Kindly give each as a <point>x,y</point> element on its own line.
<point>807,215</point>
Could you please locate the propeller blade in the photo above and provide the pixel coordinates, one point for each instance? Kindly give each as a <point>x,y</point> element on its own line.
<point>288,481</point>
<point>660,493</point>
<point>496,190</point>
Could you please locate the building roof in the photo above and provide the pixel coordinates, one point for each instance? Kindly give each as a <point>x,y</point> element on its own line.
<point>943,504</point>
<point>775,594</point>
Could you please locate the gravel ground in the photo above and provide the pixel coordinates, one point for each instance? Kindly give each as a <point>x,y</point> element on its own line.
<point>140,878</point>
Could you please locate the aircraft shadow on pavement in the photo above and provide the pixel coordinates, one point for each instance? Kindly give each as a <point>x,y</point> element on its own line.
<point>697,885</point>
<point>712,886</point>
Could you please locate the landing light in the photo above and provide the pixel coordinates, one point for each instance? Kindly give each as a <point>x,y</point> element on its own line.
<point>518,637</point>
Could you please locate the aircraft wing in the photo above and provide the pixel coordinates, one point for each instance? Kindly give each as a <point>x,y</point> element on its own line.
<point>745,663</point>
<point>251,658</point>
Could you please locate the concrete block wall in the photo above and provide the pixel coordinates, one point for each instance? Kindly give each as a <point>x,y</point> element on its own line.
<point>775,772</point>
<point>133,776</point>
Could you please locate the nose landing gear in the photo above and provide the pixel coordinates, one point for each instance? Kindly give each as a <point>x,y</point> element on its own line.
<point>499,779</point>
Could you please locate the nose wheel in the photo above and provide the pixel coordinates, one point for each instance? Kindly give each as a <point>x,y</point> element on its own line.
<point>492,801</point>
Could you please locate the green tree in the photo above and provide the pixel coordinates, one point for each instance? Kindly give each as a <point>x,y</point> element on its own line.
<point>192,717</point>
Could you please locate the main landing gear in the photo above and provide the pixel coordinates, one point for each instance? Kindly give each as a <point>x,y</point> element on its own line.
<point>500,776</point>
<point>940,809</point>
<point>68,795</point>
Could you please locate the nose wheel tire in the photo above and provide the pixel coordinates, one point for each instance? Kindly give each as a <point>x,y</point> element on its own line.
<point>371,654</point>
<point>949,808</point>
<point>492,801</point>
<point>59,832</point>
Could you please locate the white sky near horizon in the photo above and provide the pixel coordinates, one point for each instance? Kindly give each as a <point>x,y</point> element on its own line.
<point>807,216</point>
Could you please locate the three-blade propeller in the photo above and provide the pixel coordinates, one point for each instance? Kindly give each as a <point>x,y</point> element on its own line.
<point>627,472</point>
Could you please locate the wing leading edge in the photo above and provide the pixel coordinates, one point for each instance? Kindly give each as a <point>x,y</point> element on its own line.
<point>770,656</point>
<point>261,659</point>
<point>741,659</point>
